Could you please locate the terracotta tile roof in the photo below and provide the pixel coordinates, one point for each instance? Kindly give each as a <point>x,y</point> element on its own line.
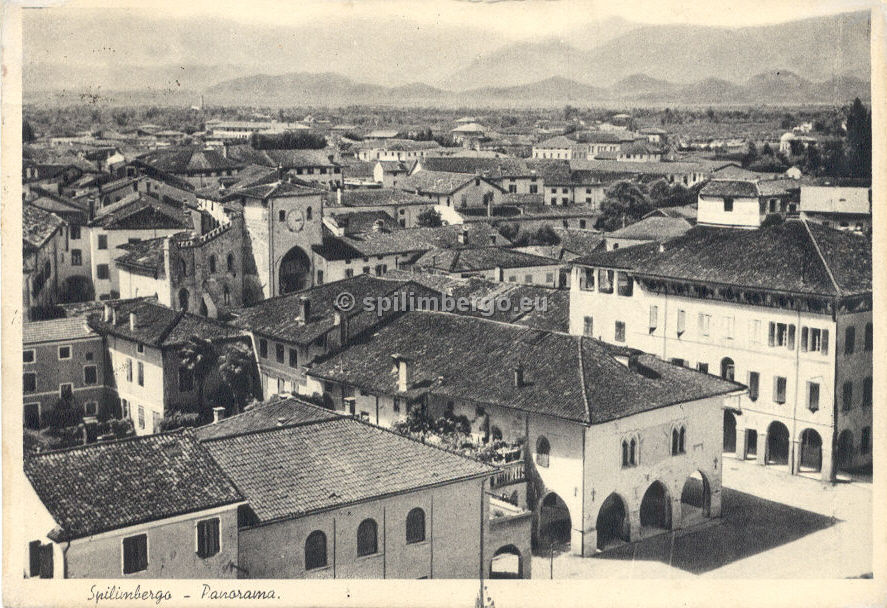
<point>360,221</point>
<point>296,470</point>
<point>159,326</point>
<point>56,330</point>
<point>38,226</point>
<point>579,242</point>
<point>794,257</point>
<point>278,411</point>
<point>146,255</point>
<point>479,258</point>
<point>488,167</point>
<point>730,187</point>
<point>188,159</point>
<point>653,228</point>
<point>460,357</point>
<point>106,486</point>
<point>142,211</point>
<point>375,197</point>
<point>437,182</point>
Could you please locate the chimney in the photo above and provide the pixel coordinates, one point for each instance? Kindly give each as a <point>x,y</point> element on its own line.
<point>113,316</point>
<point>339,197</point>
<point>340,319</point>
<point>132,321</point>
<point>463,236</point>
<point>304,309</point>
<point>91,207</point>
<point>281,421</point>
<point>218,414</point>
<point>167,262</point>
<point>519,376</point>
<point>404,369</point>
<point>492,239</point>
<point>490,207</point>
<point>377,225</point>
<point>106,313</point>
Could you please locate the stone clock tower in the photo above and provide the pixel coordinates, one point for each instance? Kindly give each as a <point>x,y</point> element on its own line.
<point>282,221</point>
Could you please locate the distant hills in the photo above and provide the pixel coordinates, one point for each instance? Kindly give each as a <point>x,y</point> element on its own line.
<point>780,86</point>
<point>818,60</point>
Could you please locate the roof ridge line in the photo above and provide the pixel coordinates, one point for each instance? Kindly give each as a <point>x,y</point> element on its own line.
<point>276,427</point>
<point>582,381</point>
<point>821,257</point>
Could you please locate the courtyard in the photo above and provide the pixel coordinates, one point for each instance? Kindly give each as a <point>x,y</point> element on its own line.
<point>774,525</point>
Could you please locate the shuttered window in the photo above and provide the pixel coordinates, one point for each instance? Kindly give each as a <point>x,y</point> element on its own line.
<point>208,541</point>
<point>135,554</point>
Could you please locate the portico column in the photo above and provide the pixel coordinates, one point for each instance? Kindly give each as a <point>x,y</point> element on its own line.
<point>676,512</point>
<point>794,456</point>
<point>762,448</point>
<point>827,462</point>
<point>741,443</point>
<point>634,525</point>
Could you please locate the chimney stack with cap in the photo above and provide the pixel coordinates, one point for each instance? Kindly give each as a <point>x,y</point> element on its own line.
<point>378,225</point>
<point>304,309</point>
<point>218,414</point>
<point>519,376</point>
<point>463,236</point>
<point>106,313</point>
<point>132,321</point>
<point>404,371</point>
<point>341,320</point>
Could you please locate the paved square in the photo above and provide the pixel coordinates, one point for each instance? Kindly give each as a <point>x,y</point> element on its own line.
<point>773,526</point>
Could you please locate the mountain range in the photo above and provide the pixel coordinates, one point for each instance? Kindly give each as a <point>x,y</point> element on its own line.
<point>389,61</point>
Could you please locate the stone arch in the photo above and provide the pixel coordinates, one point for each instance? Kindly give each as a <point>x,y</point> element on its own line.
<point>554,522</point>
<point>777,443</point>
<point>507,562</point>
<point>656,507</point>
<point>810,446</point>
<point>612,522</point>
<point>695,499</point>
<point>294,271</point>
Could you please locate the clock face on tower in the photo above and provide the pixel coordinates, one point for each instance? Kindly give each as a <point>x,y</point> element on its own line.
<point>295,221</point>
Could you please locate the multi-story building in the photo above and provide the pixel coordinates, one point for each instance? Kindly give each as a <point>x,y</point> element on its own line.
<point>746,203</point>
<point>198,166</point>
<point>493,263</point>
<point>629,447</point>
<point>455,190</point>
<point>395,507</point>
<point>43,245</point>
<point>404,207</point>
<point>166,511</point>
<point>786,310</point>
<point>841,207</point>
<point>315,167</point>
<point>402,150</point>
<point>63,363</point>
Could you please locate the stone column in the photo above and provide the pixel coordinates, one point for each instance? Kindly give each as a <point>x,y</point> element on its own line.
<point>762,449</point>
<point>794,457</point>
<point>634,523</point>
<point>827,470</point>
<point>741,443</point>
<point>587,541</point>
<point>676,512</point>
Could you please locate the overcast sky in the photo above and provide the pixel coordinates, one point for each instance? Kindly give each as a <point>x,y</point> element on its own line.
<point>512,18</point>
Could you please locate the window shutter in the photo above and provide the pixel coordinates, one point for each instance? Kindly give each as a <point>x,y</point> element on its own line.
<point>654,313</point>
<point>805,332</point>
<point>824,342</point>
<point>771,340</point>
<point>791,337</point>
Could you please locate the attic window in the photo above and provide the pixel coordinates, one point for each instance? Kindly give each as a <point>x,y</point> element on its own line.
<point>728,204</point>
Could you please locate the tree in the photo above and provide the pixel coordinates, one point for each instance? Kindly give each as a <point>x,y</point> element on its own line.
<point>509,230</point>
<point>751,154</point>
<point>199,356</point>
<point>859,140</point>
<point>626,203</point>
<point>430,218</point>
<point>27,132</point>
<point>237,369</point>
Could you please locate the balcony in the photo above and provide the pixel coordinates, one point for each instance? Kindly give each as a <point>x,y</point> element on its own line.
<point>510,472</point>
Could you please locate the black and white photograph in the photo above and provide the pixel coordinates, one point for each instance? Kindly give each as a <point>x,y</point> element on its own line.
<point>453,289</point>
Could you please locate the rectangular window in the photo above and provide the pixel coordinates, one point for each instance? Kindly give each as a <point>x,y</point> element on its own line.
<point>754,330</point>
<point>847,396</point>
<point>729,326</point>
<point>782,334</point>
<point>91,408</point>
<point>29,382</point>
<point>702,367</point>
<point>103,241</point>
<point>128,367</point>
<point>66,390</point>
<point>682,321</point>
<point>263,348</point>
<point>587,326</point>
<point>135,554</point>
<point>320,277</point>
<point>620,331</point>
<point>102,271</point>
<point>75,232</point>
<point>678,361</point>
<point>586,279</point>
<point>28,356</point>
<point>534,189</point>
<point>869,338</point>
<point>728,204</point>
<point>779,389</point>
<point>64,352</point>
<point>813,396</point>
<point>141,370</point>
<point>654,317</point>
<point>814,340</point>
<point>281,215</point>
<point>528,278</point>
<point>76,257</point>
<point>140,348</point>
<point>124,409</point>
<point>605,280</point>
<point>141,417</point>
<point>90,375</point>
<point>625,284</point>
<point>849,340</point>
<point>208,538</point>
<point>349,273</point>
<point>867,392</point>
<point>754,381</point>
<point>704,324</point>
<point>294,357</point>
<point>279,352</point>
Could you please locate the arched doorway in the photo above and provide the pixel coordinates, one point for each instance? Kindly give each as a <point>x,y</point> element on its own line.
<point>656,507</point>
<point>612,522</point>
<point>844,456</point>
<point>811,451</point>
<point>507,562</point>
<point>729,431</point>
<point>295,271</point>
<point>777,443</point>
<point>728,368</point>
<point>554,523</point>
<point>183,299</point>
<point>695,499</point>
